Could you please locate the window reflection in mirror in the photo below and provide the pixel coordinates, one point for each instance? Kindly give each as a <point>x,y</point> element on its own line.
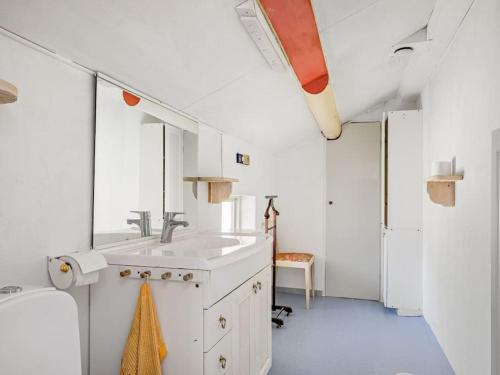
<point>141,157</point>
<point>238,214</point>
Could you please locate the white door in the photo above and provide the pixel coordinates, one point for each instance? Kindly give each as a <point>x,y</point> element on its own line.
<point>353,213</point>
<point>262,316</point>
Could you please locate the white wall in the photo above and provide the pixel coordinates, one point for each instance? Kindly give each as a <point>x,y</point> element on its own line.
<point>301,185</point>
<point>46,168</point>
<point>461,108</point>
<point>256,179</point>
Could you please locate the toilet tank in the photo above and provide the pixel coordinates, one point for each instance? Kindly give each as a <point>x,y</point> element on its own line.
<point>39,333</point>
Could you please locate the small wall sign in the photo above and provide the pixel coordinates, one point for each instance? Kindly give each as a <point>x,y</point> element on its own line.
<point>243,159</point>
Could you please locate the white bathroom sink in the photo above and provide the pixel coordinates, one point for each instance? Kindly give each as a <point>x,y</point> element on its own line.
<point>198,243</point>
<point>195,251</point>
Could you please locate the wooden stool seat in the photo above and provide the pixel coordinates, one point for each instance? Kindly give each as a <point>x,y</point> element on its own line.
<point>303,261</point>
<point>295,257</point>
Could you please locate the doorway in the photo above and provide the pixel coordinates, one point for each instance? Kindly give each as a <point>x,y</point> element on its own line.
<point>353,213</point>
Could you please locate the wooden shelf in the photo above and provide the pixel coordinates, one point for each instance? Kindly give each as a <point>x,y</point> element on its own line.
<point>219,188</point>
<point>211,179</point>
<point>8,92</point>
<point>452,178</point>
<point>441,189</point>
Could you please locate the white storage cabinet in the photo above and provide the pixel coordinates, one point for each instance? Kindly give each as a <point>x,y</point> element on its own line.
<point>402,232</point>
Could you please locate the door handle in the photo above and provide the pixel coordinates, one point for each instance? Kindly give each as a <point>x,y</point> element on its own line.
<point>222,322</point>
<point>222,361</point>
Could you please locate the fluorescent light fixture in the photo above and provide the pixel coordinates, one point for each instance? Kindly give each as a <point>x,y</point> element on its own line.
<point>257,27</point>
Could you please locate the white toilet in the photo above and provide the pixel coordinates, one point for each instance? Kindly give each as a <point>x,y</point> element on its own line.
<point>38,332</point>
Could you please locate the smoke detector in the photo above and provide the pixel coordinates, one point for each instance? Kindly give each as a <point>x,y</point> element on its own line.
<point>418,41</point>
<point>403,51</point>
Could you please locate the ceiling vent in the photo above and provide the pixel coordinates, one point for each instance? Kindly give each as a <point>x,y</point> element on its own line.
<point>256,25</point>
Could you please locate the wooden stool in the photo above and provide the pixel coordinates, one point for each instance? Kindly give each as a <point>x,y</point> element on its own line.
<point>304,261</point>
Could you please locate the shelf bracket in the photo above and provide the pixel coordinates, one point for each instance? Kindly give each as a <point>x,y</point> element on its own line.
<point>441,189</point>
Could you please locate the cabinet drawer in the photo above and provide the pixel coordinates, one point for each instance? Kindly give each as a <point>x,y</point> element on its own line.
<point>219,359</point>
<point>217,321</point>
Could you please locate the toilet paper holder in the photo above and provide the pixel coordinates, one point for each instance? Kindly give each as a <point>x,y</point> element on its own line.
<point>75,269</point>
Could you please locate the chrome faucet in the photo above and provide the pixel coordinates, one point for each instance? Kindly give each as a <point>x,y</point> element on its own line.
<point>144,222</point>
<point>169,224</point>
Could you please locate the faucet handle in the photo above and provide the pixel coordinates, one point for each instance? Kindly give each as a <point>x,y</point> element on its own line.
<point>170,215</point>
<point>141,213</point>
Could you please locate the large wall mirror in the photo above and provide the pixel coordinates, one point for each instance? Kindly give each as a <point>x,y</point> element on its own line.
<point>142,152</point>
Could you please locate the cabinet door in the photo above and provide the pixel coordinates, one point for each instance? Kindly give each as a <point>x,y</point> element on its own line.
<point>262,324</point>
<point>404,270</point>
<point>404,170</point>
<point>243,329</point>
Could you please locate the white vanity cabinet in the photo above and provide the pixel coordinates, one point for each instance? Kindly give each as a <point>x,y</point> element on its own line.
<point>252,314</point>
<point>215,321</point>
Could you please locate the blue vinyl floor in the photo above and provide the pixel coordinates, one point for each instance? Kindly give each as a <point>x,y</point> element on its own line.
<point>340,336</point>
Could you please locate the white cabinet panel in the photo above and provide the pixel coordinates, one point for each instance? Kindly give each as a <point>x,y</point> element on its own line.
<point>252,326</point>
<point>404,270</point>
<point>209,151</point>
<point>180,311</point>
<point>404,169</point>
<point>402,252</point>
<point>218,320</point>
<point>244,329</point>
<point>262,314</point>
<point>243,346</point>
<point>219,359</point>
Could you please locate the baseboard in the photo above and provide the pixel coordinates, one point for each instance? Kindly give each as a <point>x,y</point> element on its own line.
<point>409,312</point>
<point>299,291</point>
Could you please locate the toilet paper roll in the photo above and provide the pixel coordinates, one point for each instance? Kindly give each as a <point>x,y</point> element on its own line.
<point>60,275</point>
<point>80,278</point>
<point>441,168</point>
<point>76,269</point>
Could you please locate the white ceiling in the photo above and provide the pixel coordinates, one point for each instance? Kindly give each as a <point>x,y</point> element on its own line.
<point>196,56</point>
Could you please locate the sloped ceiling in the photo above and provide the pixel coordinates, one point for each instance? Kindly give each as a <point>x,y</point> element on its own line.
<point>196,56</point>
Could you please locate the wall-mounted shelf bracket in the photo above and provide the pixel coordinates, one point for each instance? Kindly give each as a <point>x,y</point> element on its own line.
<point>219,188</point>
<point>441,189</point>
<point>8,92</point>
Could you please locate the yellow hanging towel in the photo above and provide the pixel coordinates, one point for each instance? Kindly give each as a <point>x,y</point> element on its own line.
<point>145,348</point>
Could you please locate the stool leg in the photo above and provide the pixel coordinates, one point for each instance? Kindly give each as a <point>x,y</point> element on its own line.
<point>313,291</point>
<point>307,275</point>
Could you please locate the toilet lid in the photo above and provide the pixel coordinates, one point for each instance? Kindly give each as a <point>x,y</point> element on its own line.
<point>39,333</point>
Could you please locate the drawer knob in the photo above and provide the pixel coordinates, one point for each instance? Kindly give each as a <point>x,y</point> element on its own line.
<point>166,275</point>
<point>254,286</point>
<point>259,284</point>
<point>187,276</point>
<point>222,322</point>
<point>222,361</point>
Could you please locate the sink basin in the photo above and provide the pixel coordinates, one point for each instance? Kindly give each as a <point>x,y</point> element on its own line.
<point>197,243</point>
<point>198,251</point>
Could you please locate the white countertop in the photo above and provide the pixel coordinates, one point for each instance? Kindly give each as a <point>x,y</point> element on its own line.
<point>204,251</point>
